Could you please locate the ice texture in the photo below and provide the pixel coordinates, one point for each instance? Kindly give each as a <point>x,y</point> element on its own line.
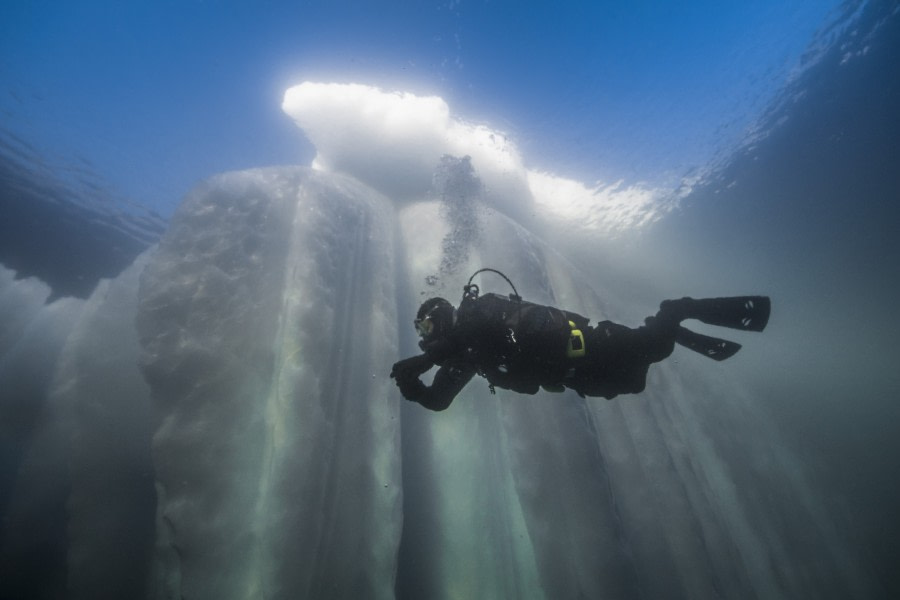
<point>218,422</point>
<point>268,322</point>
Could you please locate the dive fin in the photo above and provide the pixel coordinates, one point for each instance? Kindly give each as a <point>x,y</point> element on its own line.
<point>747,313</point>
<point>708,346</point>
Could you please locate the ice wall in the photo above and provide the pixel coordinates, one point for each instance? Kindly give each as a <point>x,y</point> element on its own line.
<point>268,322</point>
<point>520,500</point>
<point>34,480</point>
<point>102,406</point>
<point>555,496</point>
<point>219,423</point>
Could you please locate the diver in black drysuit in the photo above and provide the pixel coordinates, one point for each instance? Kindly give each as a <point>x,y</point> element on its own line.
<point>524,347</point>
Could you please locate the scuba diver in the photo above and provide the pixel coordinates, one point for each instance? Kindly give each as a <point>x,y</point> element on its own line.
<point>524,347</point>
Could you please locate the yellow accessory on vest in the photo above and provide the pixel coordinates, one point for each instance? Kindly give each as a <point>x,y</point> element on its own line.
<point>575,348</point>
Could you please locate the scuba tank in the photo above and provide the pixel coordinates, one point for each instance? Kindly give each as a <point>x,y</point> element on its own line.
<point>520,341</point>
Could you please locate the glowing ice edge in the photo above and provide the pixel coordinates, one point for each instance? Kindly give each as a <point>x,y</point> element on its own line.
<point>392,141</point>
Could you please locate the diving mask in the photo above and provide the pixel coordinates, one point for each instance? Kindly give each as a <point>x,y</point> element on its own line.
<point>424,327</point>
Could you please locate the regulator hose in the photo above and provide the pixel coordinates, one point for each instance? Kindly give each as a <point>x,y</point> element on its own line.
<point>471,290</point>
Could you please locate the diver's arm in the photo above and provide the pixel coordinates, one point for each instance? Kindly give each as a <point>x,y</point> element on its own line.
<point>448,381</point>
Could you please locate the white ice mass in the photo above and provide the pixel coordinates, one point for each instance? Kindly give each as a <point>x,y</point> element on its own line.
<point>220,420</point>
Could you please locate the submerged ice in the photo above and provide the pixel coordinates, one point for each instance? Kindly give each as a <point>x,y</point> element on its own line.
<point>217,422</point>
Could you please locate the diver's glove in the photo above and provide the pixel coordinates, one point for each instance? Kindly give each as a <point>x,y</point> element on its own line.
<point>411,368</point>
<point>406,373</point>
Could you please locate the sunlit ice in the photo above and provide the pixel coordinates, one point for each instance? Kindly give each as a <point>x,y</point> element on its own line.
<point>393,140</point>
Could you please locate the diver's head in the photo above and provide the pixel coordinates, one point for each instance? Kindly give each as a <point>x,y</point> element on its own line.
<point>434,319</point>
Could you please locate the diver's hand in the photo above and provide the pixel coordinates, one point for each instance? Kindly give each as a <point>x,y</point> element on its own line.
<point>410,368</point>
<point>406,374</point>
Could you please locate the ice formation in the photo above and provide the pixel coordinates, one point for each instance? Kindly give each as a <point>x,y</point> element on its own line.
<point>217,422</point>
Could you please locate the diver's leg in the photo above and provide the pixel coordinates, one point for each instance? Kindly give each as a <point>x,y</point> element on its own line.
<point>616,360</point>
<point>655,341</point>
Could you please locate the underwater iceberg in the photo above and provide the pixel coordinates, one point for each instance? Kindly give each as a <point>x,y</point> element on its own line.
<point>218,421</point>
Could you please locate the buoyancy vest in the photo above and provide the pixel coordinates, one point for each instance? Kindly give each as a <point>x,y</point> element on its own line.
<point>516,344</point>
